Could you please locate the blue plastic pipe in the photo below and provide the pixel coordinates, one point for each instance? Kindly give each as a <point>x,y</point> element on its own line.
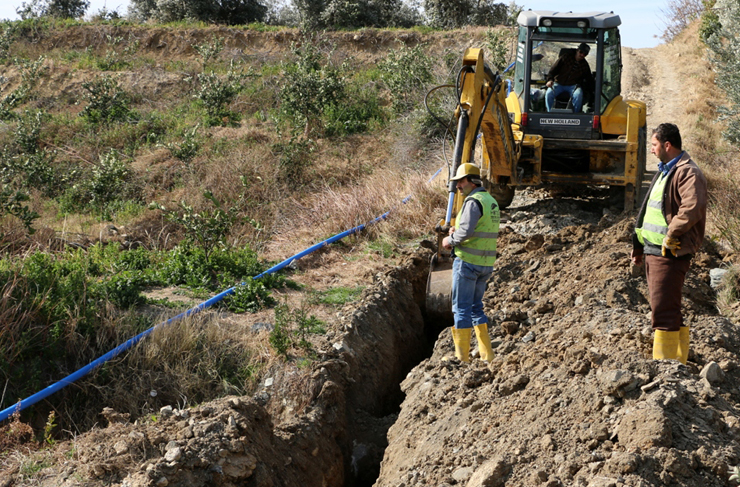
<point>7,412</point>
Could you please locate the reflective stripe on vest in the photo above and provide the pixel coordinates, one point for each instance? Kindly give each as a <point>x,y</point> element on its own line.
<point>654,226</point>
<point>480,247</point>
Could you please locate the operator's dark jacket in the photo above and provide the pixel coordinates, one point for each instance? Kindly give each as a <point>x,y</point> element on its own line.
<point>567,71</point>
<point>684,207</point>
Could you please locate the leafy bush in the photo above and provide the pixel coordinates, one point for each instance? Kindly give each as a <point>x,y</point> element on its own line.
<point>724,43</point>
<point>453,14</point>
<point>236,12</point>
<point>497,45</point>
<point>108,184</point>
<point>292,324</point>
<point>63,9</point>
<point>249,297</point>
<point>208,228</point>
<point>13,203</point>
<point>311,86</point>
<point>109,179</point>
<point>30,73</point>
<point>280,338</point>
<point>306,324</point>
<point>710,24</point>
<point>28,131</point>
<point>320,14</point>
<point>124,288</point>
<point>360,112</point>
<point>188,148</point>
<point>216,93</point>
<point>209,50</point>
<point>38,171</point>
<point>107,102</point>
<point>294,159</point>
<point>7,35</point>
<point>406,72</point>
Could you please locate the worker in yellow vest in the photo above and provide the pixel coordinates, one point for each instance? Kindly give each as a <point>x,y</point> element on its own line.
<point>668,232</point>
<point>474,240</point>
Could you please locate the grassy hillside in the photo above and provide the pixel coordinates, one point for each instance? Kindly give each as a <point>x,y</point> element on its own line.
<point>145,169</point>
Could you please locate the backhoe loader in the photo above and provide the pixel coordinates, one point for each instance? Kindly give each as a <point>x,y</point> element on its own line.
<point>505,128</point>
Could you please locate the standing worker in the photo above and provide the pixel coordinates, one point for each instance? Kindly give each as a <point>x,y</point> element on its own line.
<point>668,232</point>
<point>474,239</point>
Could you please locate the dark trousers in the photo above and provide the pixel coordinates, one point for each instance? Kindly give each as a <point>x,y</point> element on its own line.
<point>665,277</point>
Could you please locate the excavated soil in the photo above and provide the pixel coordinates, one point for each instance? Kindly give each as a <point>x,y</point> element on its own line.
<point>572,397</point>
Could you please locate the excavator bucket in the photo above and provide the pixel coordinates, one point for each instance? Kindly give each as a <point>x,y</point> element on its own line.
<point>439,291</point>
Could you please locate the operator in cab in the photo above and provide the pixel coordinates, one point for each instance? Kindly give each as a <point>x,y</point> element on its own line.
<point>569,74</point>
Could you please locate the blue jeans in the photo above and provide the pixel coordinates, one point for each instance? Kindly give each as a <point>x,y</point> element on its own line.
<point>576,93</point>
<point>468,285</point>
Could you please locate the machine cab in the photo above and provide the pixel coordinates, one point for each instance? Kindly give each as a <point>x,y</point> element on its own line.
<point>546,36</point>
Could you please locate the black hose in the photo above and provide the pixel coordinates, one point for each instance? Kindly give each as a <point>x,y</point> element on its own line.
<point>496,81</point>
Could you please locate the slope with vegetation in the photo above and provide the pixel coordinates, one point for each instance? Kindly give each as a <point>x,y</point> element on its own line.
<point>147,168</point>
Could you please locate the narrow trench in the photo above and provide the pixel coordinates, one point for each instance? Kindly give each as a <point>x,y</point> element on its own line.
<point>369,431</point>
<point>370,442</point>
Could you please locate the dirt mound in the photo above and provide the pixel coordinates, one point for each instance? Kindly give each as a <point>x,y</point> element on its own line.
<point>573,396</point>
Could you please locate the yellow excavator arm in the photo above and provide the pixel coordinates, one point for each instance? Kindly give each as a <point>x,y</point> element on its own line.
<point>481,115</point>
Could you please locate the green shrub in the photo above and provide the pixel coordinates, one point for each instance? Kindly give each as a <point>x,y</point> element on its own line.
<point>208,228</point>
<point>7,36</point>
<point>216,92</point>
<point>39,172</point>
<point>188,148</point>
<point>305,325</point>
<point>112,61</point>
<point>107,102</point>
<point>406,72</point>
<point>294,158</point>
<point>249,297</point>
<point>124,288</point>
<point>361,112</point>
<point>30,73</point>
<point>12,203</point>
<point>109,179</point>
<point>497,44</point>
<point>280,338</point>
<point>28,131</point>
<point>209,50</point>
<point>710,25</point>
<point>311,86</point>
<point>106,188</point>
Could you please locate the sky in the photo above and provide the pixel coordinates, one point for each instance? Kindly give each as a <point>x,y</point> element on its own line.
<point>642,21</point>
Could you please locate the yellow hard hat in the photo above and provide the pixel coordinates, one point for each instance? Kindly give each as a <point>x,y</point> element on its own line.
<point>466,169</point>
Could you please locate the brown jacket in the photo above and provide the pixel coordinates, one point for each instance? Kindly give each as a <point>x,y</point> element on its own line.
<point>684,206</point>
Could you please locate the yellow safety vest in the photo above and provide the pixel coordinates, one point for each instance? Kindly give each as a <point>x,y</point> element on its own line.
<point>654,225</point>
<point>480,248</point>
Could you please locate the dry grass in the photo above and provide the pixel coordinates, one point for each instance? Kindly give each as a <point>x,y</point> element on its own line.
<point>702,134</point>
<point>729,293</point>
<point>185,362</point>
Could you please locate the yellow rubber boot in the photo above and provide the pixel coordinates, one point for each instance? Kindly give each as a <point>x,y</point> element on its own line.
<point>484,342</point>
<point>462,343</point>
<point>665,345</point>
<point>683,344</point>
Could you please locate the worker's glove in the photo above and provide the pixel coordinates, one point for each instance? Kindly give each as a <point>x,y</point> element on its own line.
<point>672,244</point>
